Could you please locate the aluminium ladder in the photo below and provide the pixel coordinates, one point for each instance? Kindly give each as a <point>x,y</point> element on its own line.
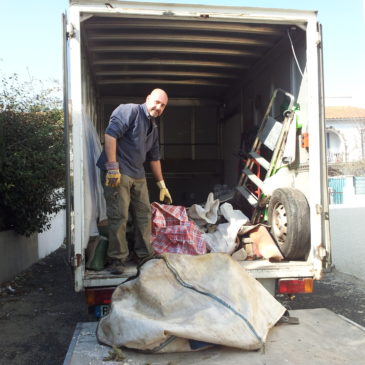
<point>271,134</point>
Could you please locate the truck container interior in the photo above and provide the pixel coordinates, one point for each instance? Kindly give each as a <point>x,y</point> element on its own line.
<point>220,74</point>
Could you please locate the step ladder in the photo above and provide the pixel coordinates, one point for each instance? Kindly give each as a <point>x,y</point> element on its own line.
<point>271,134</point>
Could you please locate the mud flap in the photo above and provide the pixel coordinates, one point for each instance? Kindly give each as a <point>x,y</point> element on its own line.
<point>287,318</point>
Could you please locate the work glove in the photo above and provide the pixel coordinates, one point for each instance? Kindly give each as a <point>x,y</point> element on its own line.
<point>164,193</point>
<point>113,174</point>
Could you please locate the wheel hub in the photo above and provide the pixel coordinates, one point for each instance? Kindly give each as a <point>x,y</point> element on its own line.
<point>279,223</point>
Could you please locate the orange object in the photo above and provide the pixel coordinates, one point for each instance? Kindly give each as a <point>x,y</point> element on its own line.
<point>263,244</point>
<point>305,140</point>
<point>298,285</point>
<point>96,296</point>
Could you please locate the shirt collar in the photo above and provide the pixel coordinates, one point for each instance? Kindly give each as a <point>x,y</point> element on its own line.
<point>144,107</point>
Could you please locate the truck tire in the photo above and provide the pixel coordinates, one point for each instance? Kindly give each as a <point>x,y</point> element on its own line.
<point>288,212</point>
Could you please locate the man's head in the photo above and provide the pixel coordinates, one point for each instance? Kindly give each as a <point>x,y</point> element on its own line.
<point>156,102</point>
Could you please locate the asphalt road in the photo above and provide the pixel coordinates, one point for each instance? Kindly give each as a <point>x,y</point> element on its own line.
<point>39,309</point>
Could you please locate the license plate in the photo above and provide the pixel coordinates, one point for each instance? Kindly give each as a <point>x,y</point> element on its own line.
<point>102,310</point>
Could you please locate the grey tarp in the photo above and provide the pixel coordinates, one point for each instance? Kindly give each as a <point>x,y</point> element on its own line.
<point>177,298</point>
<point>94,202</point>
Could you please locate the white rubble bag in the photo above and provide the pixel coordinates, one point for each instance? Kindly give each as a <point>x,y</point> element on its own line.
<point>206,214</point>
<point>176,300</point>
<point>224,238</point>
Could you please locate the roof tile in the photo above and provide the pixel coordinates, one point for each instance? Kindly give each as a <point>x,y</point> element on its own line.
<point>344,112</point>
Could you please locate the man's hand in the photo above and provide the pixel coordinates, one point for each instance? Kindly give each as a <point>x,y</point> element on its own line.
<point>113,174</point>
<point>164,193</point>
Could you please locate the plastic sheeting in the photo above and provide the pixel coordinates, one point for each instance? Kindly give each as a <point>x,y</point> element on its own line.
<point>224,238</point>
<point>176,300</point>
<point>207,213</point>
<point>94,202</point>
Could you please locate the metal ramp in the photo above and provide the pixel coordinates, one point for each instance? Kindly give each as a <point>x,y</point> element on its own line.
<point>318,331</point>
<point>271,135</point>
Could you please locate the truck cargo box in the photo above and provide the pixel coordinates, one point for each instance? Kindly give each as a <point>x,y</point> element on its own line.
<point>220,66</point>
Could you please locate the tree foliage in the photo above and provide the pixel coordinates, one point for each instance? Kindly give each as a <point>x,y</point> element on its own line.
<point>32,155</point>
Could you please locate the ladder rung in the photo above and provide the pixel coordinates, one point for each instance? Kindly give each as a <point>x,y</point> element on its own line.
<point>259,183</point>
<point>262,161</point>
<point>247,195</point>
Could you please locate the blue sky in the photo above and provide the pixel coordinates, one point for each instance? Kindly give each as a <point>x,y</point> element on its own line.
<point>31,40</point>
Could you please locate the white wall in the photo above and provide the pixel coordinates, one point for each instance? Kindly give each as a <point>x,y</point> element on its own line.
<point>348,238</point>
<point>52,239</point>
<point>349,133</point>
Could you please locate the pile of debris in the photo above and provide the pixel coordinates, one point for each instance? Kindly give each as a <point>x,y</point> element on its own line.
<point>211,227</point>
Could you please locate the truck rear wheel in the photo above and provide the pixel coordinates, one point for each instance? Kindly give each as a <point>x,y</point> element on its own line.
<point>290,225</point>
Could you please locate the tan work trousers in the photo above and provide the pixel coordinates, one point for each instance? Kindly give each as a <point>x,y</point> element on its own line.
<point>131,196</point>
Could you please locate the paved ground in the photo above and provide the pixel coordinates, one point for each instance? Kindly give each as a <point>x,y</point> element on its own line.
<point>38,313</point>
<point>39,309</point>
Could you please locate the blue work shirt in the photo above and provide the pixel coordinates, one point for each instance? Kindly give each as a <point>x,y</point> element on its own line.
<point>137,139</point>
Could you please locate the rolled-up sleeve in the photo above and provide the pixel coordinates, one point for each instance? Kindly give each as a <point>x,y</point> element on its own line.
<point>154,153</point>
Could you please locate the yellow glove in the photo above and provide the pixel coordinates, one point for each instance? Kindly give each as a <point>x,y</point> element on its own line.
<point>164,193</point>
<point>113,175</point>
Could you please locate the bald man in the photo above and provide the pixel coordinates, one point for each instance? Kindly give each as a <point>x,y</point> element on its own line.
<point>131,138</point>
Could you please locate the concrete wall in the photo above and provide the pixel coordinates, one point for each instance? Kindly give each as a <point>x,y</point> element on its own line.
<point>348,238</point>
<point>18,252</point>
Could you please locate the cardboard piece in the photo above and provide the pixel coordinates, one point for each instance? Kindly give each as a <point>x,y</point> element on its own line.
<point>264,245</point>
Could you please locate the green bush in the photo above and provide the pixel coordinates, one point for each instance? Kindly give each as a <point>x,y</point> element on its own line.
<point>32,157</point>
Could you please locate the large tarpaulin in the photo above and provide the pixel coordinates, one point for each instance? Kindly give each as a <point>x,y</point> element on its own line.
<point>176,300</point>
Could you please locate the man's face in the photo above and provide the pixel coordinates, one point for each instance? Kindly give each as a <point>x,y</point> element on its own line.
<point>156,102</point>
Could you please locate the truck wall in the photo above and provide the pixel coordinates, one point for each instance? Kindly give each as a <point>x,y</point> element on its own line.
<point>279,70</point>
<point>231,145</point>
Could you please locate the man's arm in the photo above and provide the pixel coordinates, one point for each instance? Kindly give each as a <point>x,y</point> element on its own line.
<point>156,170</point>
<point>112,166</point>
<point>157,174</point>
<point>110,148</point>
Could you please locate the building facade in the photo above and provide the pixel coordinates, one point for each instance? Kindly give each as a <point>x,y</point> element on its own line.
<point>345,134</point>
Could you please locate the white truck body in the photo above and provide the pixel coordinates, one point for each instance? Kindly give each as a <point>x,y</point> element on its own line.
<point>220,66</point>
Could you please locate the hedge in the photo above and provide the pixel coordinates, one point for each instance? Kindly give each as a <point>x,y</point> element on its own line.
<point>32,163</point>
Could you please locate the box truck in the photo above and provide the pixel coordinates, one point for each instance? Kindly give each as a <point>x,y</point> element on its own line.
<point>245,113</point>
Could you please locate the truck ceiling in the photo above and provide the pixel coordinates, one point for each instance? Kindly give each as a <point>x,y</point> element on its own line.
<point>195,56</point>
